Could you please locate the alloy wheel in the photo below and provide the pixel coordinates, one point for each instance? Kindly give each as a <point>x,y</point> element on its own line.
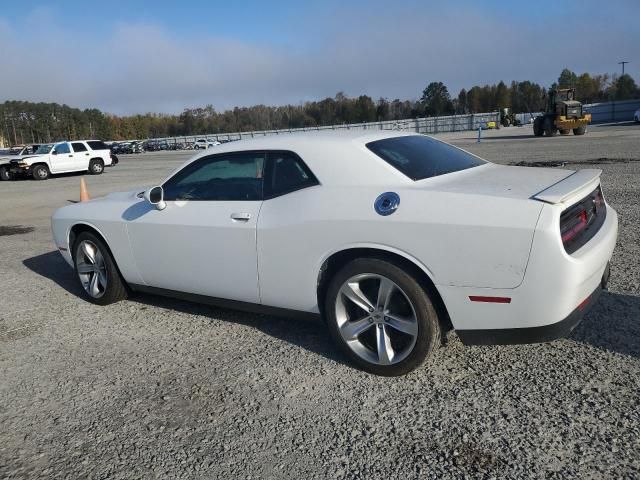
<point>376,319</point>
<point>91,268</point>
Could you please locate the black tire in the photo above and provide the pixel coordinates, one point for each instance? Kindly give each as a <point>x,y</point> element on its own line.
<point>550,129</point>
<point>40,172</point>
<point>196,147</point>
<point>428,325</point>
<point>5,174</point>
<point>96,166</point>
<point>580,130</point>
<point>116,288</point>
<point>565,132</point>
<point>537,127</point>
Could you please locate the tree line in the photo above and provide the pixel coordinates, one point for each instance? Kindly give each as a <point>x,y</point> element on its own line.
<point>27,122</point>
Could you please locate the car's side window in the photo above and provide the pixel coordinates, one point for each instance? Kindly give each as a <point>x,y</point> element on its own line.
<point>286,173</point>
<point>227,176</point>
<point>62,148</point>
<point>78,147</point>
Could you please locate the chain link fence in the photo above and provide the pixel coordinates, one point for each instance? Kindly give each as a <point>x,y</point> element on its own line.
<point>429,125</point>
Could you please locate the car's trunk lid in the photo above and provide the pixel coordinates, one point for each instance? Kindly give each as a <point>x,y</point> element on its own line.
<point>500,181</point>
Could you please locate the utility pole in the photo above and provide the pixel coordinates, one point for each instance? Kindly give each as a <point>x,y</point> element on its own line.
<point>623,63</point>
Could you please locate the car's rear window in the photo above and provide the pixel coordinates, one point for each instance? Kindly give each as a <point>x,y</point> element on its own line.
<point>97,145</point>
<point>420,157</point>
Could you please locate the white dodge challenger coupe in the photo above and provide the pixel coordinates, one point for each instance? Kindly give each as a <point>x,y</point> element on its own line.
<point>392,238</point>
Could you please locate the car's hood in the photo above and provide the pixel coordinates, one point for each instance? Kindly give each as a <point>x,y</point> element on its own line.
<point>30,155</point>
<point>499,181</point>
<point>14,157</point>
<point>131,195</point>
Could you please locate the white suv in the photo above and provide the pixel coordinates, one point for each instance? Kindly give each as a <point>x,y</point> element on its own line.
<point>64,157</point>
<point>204,144</point>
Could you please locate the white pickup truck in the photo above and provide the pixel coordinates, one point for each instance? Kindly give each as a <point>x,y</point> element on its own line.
<point>64,157</point>
<point>14,153</point>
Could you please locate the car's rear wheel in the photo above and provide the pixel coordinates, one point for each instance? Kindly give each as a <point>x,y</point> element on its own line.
<point>381,317</point>
<point>97,270</point>
<point>40,172</point>
<point>96,166</point>
<point>580,130</point>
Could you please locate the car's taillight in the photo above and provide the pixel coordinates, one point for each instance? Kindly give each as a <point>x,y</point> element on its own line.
<point>572,229</point>
<point>580,222</point>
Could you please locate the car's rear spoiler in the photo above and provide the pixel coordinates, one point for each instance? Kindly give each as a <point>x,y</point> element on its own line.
<point>575,186</point>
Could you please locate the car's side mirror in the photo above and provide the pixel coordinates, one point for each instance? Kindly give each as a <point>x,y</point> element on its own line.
<point>54,153</point>
<point>155,196</point>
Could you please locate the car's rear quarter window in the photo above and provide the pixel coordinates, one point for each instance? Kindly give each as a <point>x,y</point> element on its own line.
<point>97,145</point>
<point>420,157</point>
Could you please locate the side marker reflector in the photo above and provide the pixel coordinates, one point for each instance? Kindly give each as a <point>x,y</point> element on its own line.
<point>475,298</point>
<point>584,303</point>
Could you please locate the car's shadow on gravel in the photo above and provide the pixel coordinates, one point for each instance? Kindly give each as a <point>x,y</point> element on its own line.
<point>307,333</point>
<point>613,324</point>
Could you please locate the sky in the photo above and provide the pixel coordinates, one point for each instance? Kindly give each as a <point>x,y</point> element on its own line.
<point>127,57</point>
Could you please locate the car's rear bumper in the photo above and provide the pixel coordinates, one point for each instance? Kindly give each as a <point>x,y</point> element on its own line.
<point>543,307</point>
<point>541,334</point>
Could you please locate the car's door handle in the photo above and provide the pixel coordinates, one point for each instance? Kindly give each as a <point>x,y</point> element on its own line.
<point>240,217</point>
<point>71,155</point>
<point>87,153</point>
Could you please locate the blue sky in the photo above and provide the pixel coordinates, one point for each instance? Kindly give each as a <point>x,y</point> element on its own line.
<point>163,56</point>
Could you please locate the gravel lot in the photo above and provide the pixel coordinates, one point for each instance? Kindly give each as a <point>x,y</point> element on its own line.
<point>153,387</point>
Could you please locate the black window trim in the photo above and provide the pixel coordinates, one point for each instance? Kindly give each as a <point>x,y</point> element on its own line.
<point>416,179</point>
<point>213,156</point>
<point>86,148</point>
<point>313,180</point>
<point>90,147</point>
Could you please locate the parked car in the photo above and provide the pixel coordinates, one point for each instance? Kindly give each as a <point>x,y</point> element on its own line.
<point>390,237</point>
<point>204,144</point>
<point>14,153</point>
<point>64,157</point>
<point>636,116</point>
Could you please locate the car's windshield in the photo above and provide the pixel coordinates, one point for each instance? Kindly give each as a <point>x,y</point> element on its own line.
<point>44,148</point>
<point>420,157</point>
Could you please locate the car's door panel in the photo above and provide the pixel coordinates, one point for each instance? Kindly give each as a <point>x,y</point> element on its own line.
<point>81,156</point>
<point>204,241</point>
<point>197,247</point>
<point>63,159</point>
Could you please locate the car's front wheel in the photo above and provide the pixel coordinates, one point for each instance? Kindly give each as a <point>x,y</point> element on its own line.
<point>381,317</point>
<point>5,174</point>
<point>40,172</point>
<point>97,270</point>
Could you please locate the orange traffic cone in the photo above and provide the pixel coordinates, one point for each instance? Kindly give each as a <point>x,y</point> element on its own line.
<point>84,194</point>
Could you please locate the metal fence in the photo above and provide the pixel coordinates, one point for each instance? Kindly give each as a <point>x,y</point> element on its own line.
<point>601,113</point>
<point>621,111</point>
<point>432,125</point>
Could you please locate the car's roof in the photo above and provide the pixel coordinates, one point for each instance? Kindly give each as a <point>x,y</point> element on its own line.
<point>286,141</point>
<point>339,158</point>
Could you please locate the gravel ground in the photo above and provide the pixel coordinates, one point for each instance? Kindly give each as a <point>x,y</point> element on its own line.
<point>153,387</point>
